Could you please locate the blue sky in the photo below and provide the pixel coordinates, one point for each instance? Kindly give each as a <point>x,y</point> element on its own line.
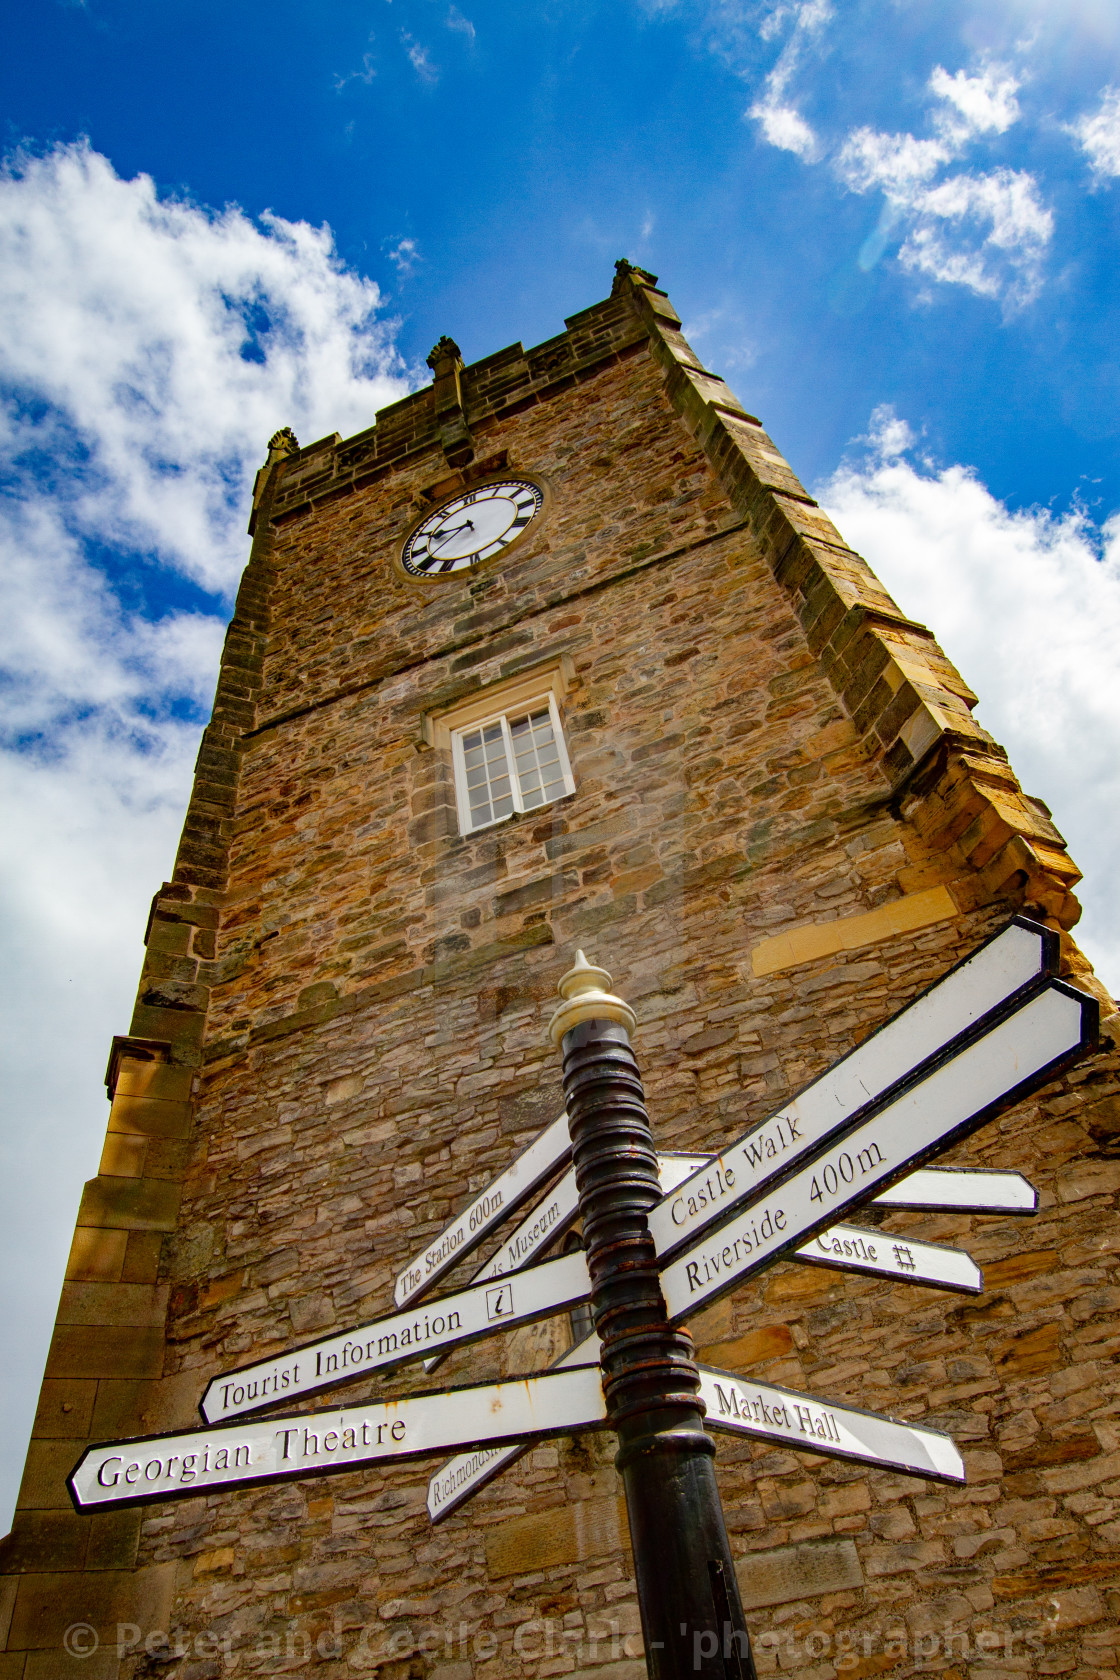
<point>485,166</point>
<point>891,226</point>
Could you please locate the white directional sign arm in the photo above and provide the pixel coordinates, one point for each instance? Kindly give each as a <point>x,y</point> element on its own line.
<point>556,1211</point>
<point>257,1450</point>
<point>1035,1042</point>
<point>551,1217</point>
<point>737,1405</point>
<point>1007,967</point>
<point>961,1190</point>
<point>448,1322</point>
<point>857,1248</point>
<point>489,1208</point>
<point>468,1473</point>
<point>805,1421</point>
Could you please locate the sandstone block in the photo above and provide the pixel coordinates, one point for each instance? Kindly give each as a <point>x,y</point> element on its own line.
<point>97,1254</point>
<point>147,1116</point>
<point>142,1204</point>
<point>106,1351</point>
<point>562,1535</point>
<point>786,1574</point>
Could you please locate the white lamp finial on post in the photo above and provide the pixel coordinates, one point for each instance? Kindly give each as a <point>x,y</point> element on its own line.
<point>587,997</point>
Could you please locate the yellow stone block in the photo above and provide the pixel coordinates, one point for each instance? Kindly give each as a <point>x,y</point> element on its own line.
<point>849,933</point>
<point>96,1255</point>
<point>565,1534</point>
<point>123,1157</point>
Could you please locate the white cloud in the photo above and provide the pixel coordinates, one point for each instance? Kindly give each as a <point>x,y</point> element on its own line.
<point>781,123</point>
<point>404,254</point>
<point>1028,606</point>
<point>170,342</point>
<point>984,104</point>
<point>460,24</point>
<point>419,59</point>
<point>986,231</point>
<point>148,349</point>
<point>784,127</point>
<point>366,74</point>
<point>1098,135</point>
<point>88,835</point>
<point>897,164</point>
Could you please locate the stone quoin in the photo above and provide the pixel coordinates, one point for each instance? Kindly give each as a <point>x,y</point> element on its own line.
<point>635,693</point>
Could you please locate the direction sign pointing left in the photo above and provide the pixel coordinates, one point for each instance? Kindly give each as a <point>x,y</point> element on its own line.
<point>490,1208</point>
<point>278,1449</point>
<point>553,1214</point>
<point>448,1322</point>
<point>465,1474</point>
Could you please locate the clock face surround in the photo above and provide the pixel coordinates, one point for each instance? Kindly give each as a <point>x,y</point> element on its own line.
<point>471,527</point>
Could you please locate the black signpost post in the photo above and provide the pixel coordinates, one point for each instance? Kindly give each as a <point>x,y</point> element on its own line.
<point>692,1617</point>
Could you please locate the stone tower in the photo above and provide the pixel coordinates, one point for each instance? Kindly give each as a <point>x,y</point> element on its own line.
<point>665,713</point>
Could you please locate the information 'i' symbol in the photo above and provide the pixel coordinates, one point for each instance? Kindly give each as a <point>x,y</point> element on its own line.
<point>499,1302</point>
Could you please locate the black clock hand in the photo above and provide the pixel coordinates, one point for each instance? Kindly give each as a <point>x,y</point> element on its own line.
<point>438,537</point>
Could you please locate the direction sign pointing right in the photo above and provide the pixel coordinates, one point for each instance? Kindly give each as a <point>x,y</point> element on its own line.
<point>1017,1055</point>
<point>1012,963</point>
<point>855,1248</point>
<point>811,1424</point>
<point>961,1190</point>
<point>740,1406</point>
<point>777,1413</point>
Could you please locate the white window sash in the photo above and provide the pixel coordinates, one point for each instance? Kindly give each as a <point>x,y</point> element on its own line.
<point>462,793</point>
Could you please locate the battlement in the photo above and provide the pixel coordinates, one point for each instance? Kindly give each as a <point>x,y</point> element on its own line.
<point>498,386</point>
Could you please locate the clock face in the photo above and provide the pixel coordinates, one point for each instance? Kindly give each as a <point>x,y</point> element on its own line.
<point>471,527</point>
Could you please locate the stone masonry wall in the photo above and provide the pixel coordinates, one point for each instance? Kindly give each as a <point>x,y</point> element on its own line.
<point>785,824</point>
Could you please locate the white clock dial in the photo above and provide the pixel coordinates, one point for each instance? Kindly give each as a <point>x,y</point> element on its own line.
<point>471,527</point>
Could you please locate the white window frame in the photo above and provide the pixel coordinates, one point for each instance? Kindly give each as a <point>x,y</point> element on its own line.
<point>462,796</point>
<point>542,685</point>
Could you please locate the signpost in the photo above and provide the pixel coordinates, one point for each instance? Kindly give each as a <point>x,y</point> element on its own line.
<point>280,1449</point>
<point>493,1205</point>
<point>657,1249</point>
<point>934,1027</point>
<point>1025,1049</point>
<point>446,1323</point>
